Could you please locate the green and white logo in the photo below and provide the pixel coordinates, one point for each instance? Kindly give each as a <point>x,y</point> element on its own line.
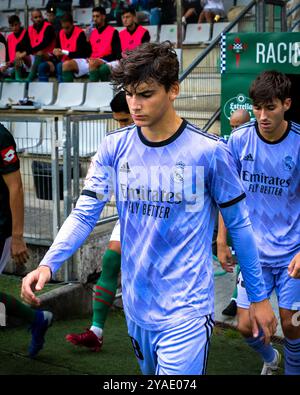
<point>238,102</point>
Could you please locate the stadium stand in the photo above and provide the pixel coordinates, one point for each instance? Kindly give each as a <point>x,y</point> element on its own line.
<point>98,96</point>
<point>69,94</point>
<point>153,30</point>
<point>197,33</point>
<point>41,93</point>
<point>219,27</point>
<point>4,5</point>
<point>11,93</point>
<point>168,32</point>
<point>82,16</point>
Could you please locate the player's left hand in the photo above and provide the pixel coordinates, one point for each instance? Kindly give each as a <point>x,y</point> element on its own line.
<point>262,316</point>
<point>19,250</point>
<point>294,267</point>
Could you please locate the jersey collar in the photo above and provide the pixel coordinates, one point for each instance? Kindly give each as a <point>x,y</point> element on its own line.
<point>285,134</point>
<point>164,142</point>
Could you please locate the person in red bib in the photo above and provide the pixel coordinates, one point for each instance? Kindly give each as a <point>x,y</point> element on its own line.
<point>106,47</point>
<point>42,41</point>
<point>17,43</point>
<point>133,35</point>
<point>73,49</point>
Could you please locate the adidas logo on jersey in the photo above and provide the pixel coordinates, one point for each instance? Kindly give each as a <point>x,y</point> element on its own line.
<point>248,157</point>
<point>125,168</point>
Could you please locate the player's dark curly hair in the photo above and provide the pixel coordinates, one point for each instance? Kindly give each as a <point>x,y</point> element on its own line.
<point>270,85</point>
<point>148,62</point>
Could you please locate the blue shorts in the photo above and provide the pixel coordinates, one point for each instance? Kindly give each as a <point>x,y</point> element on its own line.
<point>179,350</point>
<point>287,288</point>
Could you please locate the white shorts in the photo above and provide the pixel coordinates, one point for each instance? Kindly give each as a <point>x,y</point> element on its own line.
<point>83,67</point>
<point>4,253</point>
<point>182,350</point>
<point>116,233</point>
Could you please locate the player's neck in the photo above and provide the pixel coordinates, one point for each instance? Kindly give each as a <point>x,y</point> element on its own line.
<point>275,134</point>
<point>162,130</point>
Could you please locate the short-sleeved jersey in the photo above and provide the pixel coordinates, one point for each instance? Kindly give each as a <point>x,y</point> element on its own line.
<point>9,162</point>
<point>270,173</point>
<point>166,197</point>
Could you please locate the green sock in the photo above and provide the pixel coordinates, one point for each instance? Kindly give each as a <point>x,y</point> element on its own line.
<point>104,73</point>
<point>93,76</point>
<point>34,68</point>
<point>18,74</point>
<point>16,308</point>
<point>235,291</point>
<point>106,287</point>
<point>67,76</point>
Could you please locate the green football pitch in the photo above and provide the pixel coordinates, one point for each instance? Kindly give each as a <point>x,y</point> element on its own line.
<point>229,355</point>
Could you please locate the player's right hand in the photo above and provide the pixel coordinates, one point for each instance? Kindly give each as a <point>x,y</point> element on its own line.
<point>35,281</point>
<point>225,257</point>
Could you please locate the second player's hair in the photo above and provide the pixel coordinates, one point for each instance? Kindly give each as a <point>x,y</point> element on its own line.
<point>119,103</point>
<point>146,63</point>
<point>128,9</point>
<point>13,19</point>
<point>99,9</point>
<point>270,85</point>
<point>67,18</point>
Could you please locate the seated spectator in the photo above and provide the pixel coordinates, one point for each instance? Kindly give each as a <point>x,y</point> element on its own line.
<point>106,47</point>
<point>42,42</point>
<point>190,11</point>
<point>117,7</point>
<point>53,19</point>
<point>17,42</point>
<point>168,12</point>
<point>211,9</point>
<point>133,35</point>
<point>155,12</point>
<point>61,6</point>
<point>143,10</point>
<point>72,51</point>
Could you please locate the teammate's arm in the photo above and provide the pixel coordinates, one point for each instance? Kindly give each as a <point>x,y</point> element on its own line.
<point>229,195</point>
<point>223,250</point>
<point>13,182</point>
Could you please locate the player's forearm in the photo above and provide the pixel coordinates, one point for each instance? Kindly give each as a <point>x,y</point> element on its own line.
<point>74,231</point>
<point>239,226</point>
<point>16,202</point>
<point>222,231</point>
<point>247,256</point>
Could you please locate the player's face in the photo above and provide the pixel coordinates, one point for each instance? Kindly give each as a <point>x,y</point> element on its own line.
<point>128,19</point>
<point>67,27</point>
<point>15,27</point>
<point>149,102</point>
<point>37,18</point>
<point>235,123</point>
<point>123,118</point>
<point>98,19</point>
<point>51,17</point>
<point>270,116</point>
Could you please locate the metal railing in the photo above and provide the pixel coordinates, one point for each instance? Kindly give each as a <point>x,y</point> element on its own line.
<point>293,18</point>
<point>84,134</point>
<point>55,153</point>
